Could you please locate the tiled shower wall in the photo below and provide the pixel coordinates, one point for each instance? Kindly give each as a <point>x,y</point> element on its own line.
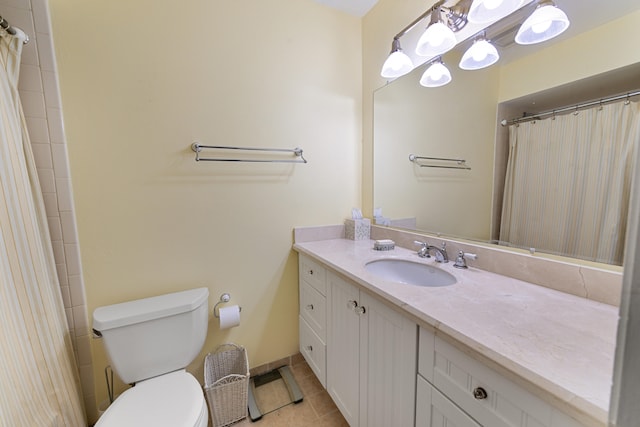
<point>40,97</point>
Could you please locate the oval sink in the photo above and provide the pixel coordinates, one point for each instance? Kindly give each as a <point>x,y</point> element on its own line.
<point>409,272</point>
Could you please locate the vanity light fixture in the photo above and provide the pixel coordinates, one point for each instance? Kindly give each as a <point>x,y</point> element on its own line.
<point>398,63</point>
<point>486,11</point>
<point>481,54</point>
<point>436,75</point>
<point>438,38</point>
<point>545,23</point>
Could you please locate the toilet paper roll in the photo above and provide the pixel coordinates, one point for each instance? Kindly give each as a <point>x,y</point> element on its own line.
<point>229,316</point>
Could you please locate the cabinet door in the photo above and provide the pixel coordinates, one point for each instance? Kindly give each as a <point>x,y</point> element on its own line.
<point>435,410</point>
<point>388,356</point>
<point>343,347</point>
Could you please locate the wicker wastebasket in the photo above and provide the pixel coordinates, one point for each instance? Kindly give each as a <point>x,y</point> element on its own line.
<point>226,384</point>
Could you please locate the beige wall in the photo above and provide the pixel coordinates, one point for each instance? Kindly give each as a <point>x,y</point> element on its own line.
<point>603,49</point>
<point>140,81</point>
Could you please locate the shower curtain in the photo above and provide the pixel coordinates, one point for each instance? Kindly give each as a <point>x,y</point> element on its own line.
<point>39,382</point>
<point>568,182</point>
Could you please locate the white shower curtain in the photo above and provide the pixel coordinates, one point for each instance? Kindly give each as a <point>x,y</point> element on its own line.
<point>39,383</point>
<point>568,182</point>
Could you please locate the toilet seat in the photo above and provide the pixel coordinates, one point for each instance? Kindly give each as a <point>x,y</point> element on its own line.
<point>171,400</point>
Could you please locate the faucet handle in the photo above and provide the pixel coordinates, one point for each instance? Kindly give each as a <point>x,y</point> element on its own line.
<point>461,261</point>
<point>423,252</point>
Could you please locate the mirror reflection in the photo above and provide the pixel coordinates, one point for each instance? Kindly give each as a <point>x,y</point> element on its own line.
<point>559,184</point>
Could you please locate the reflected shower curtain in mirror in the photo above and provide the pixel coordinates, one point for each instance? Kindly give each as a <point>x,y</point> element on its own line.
<point>568,182</point>
<point>39,382</point>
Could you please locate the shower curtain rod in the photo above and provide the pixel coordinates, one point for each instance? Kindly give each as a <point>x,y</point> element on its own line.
<point>9,29</point>
<point>6,26</point>
<point>576,107</point>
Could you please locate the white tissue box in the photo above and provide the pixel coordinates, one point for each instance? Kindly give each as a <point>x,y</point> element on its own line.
<point>357,229</point>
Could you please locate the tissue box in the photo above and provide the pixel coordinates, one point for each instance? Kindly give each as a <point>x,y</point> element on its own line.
<point>357,229</point>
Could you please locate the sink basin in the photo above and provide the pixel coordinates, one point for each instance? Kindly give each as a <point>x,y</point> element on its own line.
<point>409,272</point>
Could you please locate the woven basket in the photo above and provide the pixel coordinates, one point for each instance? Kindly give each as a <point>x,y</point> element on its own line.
<point>226,384</point>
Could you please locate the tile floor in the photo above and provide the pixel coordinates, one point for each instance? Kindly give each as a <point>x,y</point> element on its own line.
<point>316,410</point>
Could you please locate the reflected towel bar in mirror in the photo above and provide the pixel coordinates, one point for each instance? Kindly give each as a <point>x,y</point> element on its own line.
<point>459,163</point>
<point>296,151</point>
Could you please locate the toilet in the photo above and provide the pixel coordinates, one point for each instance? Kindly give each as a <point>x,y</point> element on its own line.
<point>149,343</point>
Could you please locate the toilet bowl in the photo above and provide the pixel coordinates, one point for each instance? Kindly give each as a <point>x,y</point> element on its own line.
<point>149,343</point>
<point>170,400</point>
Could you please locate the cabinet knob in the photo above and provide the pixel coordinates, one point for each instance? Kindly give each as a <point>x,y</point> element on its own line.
<point>351,304</point>
<point>480,393</point>
<point>309,348</point>
<point>360,310</point>
<point>309,306</point>
<point>310,272</point>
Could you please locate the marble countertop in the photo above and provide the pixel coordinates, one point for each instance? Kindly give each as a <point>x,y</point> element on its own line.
<point>541,338</point>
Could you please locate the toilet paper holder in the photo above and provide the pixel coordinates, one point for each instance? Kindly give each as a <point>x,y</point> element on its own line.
<point>224,298</point>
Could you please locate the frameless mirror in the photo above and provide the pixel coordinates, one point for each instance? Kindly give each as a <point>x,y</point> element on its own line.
<point>460,121</point>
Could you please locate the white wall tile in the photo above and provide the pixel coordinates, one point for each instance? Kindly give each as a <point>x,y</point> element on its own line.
<point>76,287</point>
<point>41,17</point>
<point>68,227</point>
<point>60,160</point>
<point>51,204</point>
<point>18,4</point>
<point>56,129</point>
<point>51,90</point>
<point>30,78</point>
<point>46,55</point>
<point>33,104</point>
<point>55,228</point>
<point>72,252</point>
<point>42,155</point>
<point>38,129</point>
<point>47,180</point>
<point>58,251</point>
<point>63,189</point>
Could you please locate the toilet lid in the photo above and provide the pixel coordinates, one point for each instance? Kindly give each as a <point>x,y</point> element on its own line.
<point>171,400</point>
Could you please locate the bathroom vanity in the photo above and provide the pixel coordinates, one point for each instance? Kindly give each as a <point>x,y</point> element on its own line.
<point>488,350</point>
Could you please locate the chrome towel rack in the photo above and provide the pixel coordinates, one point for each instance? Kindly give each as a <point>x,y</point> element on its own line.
<point>296,151</point>
<point>433,162</point>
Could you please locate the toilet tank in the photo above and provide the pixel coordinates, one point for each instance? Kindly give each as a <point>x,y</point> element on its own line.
<point>152,336</point>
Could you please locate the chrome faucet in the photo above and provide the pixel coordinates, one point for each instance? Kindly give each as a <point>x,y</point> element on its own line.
<point>441,253</point>
<point>423,252</point>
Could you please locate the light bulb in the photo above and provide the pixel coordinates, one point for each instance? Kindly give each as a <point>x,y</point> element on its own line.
<point>545,23</point>
<point>492,4</point>
<point>486,11</point>
<point>480,55</point>
<point>436,40</point>
<point>436,75</point>
<point>397,64</point>
<point>541,27</point>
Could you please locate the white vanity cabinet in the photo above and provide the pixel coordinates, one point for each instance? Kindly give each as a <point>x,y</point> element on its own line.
<point>453,384</point>
<point>371,357</point>
<point>312,319</point>
<point>361,350</point>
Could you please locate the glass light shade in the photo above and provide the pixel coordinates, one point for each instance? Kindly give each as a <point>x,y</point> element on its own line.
<point>480,55</point>
<point>436,75</point>
<point>397,64</point>
<point>546,22</point>
<point>436,40</point>
<point>485,11</point>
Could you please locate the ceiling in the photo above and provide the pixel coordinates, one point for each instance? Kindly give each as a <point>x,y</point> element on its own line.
<point>352,7</point>
<point>582,13</point>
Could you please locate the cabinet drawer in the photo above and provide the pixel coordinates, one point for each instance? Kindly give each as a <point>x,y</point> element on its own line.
<point>313,309</point>
<point>435,410</point>
<point>312,273</point>
<point>314,351</point>
<point>498,401</point>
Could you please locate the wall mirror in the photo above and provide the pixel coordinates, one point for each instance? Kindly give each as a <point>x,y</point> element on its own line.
<point>462,121</point>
